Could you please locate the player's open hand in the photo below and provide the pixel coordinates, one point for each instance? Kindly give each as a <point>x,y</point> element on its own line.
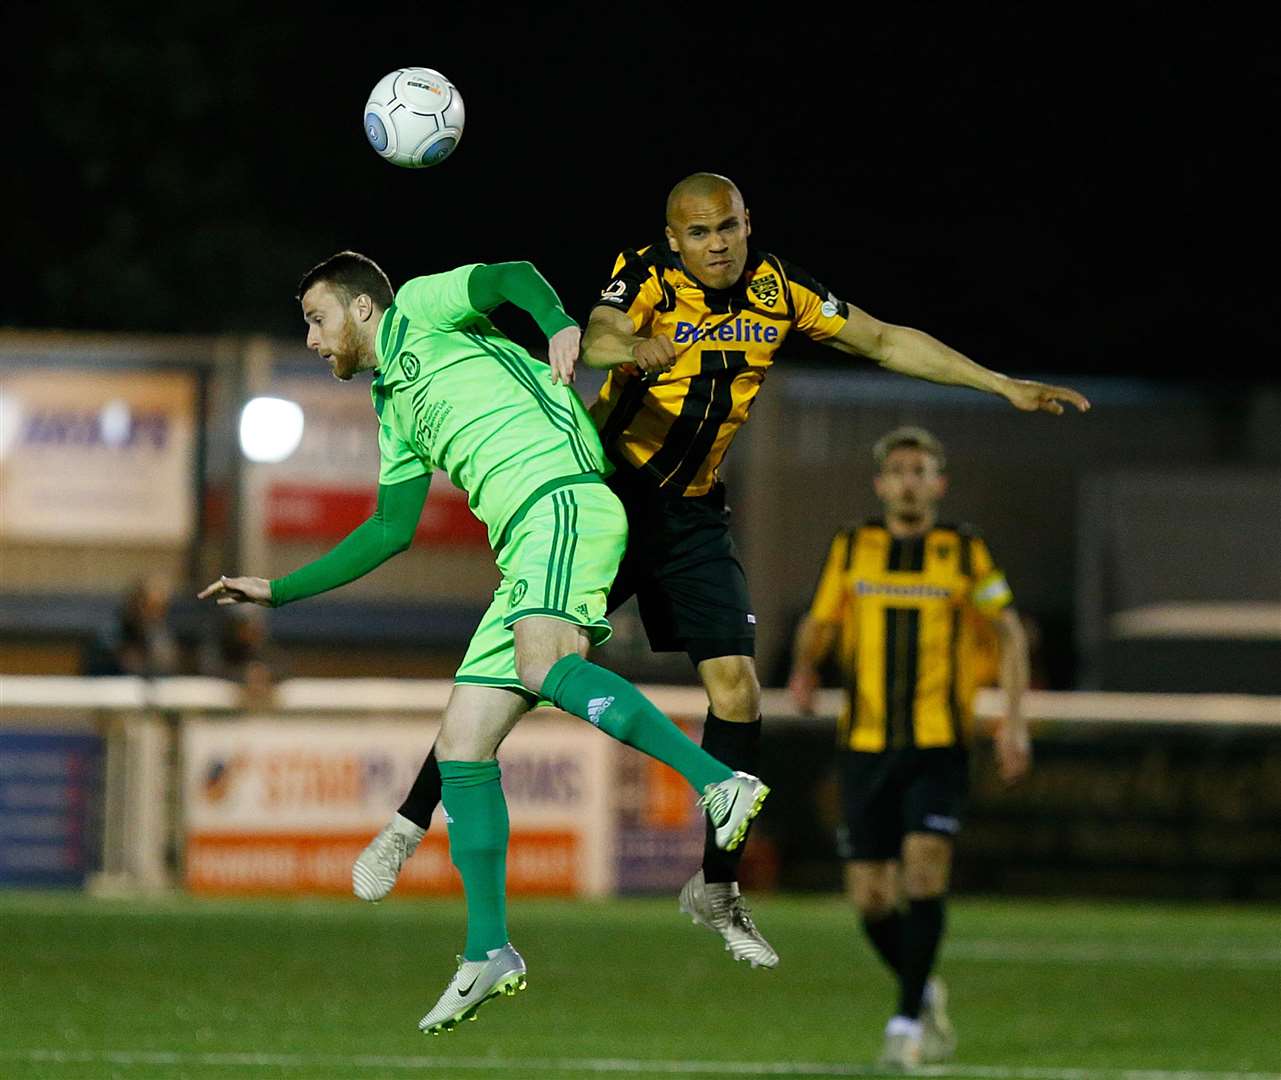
<point>802,686</point>
<point>1013,751</point>
<point>562,353</point>
<point>654,355</point>
<point>1041,397</point>
<point>238,590</point>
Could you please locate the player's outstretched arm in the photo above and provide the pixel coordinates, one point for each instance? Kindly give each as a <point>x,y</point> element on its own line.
<point>521,284</point>
<point>389,531</point>
<point>915,353</point>
<point>611,342</point>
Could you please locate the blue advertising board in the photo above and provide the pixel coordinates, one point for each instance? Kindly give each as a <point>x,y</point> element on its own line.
<point>50,799</point>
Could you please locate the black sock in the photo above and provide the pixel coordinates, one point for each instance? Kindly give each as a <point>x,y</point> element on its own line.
<point>922,931</point>
<point>885,932</point>
<point>424,796</point>
<point>739,747</point>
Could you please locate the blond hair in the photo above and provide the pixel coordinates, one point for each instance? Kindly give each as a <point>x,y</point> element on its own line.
<point>908,435</point>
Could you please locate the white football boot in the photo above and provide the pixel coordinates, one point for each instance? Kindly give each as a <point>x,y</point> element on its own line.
<point>473,984</point>
<point>938,1036</point>
<point>902,1049</point>
<point>719,906</point>
<point>731,805</point>
<point>375,870</point>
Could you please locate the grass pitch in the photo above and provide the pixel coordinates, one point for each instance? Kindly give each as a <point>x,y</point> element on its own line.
<point>185,988</point>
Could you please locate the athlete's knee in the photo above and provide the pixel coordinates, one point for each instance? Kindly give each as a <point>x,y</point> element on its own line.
<point>733,689</point>
<point>872,888</point>
<point>927,866</point>
<point>462,742</point>
<point>925,884</point>
<point>541,643</point>
<point>875,903</point>
<point>532,671</point>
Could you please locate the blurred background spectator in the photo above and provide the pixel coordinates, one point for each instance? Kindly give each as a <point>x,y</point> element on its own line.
<point>141,641</point>
<point>239,649</point>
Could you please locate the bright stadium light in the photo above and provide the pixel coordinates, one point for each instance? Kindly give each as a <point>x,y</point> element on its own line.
<point>11,420</point>
<point>115,422</point>
<point>270,429</point>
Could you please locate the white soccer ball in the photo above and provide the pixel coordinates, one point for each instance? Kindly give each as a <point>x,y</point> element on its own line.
<point>414,117</point>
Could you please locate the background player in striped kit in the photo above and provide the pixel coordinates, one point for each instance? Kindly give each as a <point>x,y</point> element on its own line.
<point>911,606</point>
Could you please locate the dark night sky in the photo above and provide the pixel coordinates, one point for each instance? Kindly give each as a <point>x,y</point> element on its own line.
<point>1074,196</point>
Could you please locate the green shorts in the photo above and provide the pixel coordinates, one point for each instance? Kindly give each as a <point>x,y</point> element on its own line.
<point>559,560</point>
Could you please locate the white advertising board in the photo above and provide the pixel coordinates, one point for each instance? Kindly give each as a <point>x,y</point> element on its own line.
<point>285,805</point>
<point>96,456</point>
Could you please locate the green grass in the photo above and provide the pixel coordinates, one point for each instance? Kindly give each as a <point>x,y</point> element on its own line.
<point>173,988</point>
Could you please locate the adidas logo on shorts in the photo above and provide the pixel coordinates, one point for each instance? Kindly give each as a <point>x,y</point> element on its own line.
<point>596,708</point>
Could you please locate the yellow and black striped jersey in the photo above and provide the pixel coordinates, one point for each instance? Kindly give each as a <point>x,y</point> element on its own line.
<point>916,637</point>
<point>677,426</point>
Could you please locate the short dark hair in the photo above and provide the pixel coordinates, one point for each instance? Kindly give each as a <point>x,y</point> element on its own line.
<point>350,274</point>
<point>916,437</point>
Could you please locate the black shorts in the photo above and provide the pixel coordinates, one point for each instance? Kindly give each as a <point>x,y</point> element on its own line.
<point>888,795</point>
<point>681,566</point>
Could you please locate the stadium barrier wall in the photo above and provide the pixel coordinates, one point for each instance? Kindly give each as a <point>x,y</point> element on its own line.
<point>284,804</point>
<point>1135,794</point>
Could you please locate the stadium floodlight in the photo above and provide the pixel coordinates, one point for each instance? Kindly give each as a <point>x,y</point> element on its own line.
<point>115,423</point>
<point>270,429</point>
<point>11,420</point>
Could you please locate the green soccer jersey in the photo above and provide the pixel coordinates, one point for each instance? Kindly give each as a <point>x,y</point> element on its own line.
<point>453,392</point>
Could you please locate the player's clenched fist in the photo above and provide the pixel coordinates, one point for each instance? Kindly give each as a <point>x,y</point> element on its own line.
<point>238,590</point>
<point>654,355</point>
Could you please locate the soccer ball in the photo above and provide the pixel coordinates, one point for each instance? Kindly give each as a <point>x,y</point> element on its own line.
<point>414,117</point>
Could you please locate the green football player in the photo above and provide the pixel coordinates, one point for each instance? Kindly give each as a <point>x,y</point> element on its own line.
<point>452,392</point>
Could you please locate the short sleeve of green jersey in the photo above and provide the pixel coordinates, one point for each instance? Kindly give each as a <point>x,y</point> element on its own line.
<point>439,300</point>
<point>397,461</point>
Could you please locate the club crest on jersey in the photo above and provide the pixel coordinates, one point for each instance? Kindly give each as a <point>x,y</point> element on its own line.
<point>615,292</point>
<point>410,365</point>
<point>765,289</point>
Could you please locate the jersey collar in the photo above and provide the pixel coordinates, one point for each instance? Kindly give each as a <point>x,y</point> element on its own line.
<point>382,337</point>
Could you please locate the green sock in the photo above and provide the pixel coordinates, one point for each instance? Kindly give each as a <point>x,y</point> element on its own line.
<point>616,707</point>
<point>478,830</point>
